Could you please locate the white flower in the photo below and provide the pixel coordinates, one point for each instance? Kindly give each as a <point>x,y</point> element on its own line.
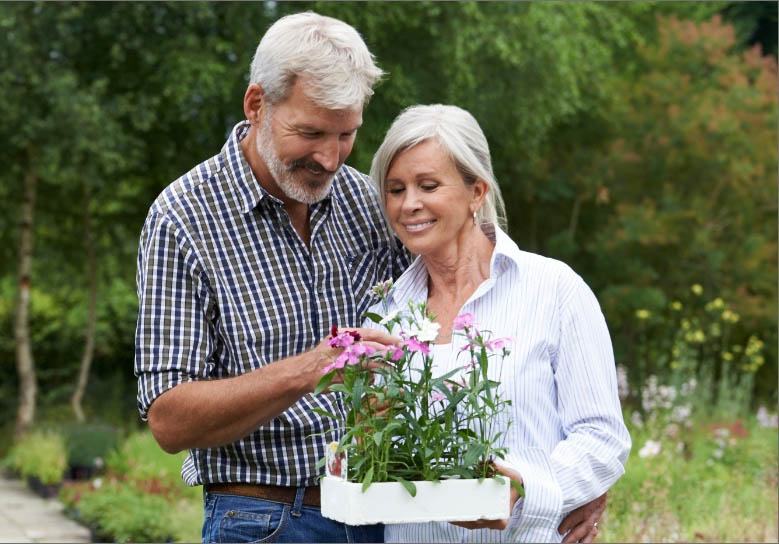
<point>650,449</point>
<point>424,331</point>
<point>764,419</point>
<point>681,413</point>
<point>635,418</point>
<point>623,387</point>
<point>97,482</point>
<point>718,454</point>
<point>672,430</point>
<point>392,316</point>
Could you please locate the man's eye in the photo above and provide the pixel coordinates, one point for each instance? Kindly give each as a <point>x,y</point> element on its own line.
<point>429,186</point>
<point>311,134</point>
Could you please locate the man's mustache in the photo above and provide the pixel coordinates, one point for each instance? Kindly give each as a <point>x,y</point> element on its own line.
<point>310,165</point>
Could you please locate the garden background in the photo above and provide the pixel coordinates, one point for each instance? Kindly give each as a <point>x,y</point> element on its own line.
<point>635,141</point>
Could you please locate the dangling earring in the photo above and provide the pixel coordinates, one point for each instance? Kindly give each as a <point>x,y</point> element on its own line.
<point>475,222</point>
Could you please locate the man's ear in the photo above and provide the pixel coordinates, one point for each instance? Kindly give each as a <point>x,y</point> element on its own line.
<point>253,101</point>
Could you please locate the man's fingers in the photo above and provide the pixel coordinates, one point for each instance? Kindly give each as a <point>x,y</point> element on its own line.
<point>591,535</point>
<point>579,532</point>
<point>375,335</point>
<point>571,520</point>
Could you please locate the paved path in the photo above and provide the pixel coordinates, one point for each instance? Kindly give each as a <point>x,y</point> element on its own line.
<point>25,517</point>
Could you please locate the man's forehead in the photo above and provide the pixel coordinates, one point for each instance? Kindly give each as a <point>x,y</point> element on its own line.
<point>304,99</point>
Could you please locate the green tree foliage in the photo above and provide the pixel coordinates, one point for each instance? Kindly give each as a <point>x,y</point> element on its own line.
<point>686,190</point>
<point>641,151</point>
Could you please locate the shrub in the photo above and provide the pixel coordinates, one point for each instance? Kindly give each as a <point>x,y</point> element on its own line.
<point>89,444</point>
<point>124,514</point>
<point>41,455</point>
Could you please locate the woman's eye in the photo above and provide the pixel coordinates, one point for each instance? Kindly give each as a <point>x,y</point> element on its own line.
<point>429,186</point>
<point>394,190</point>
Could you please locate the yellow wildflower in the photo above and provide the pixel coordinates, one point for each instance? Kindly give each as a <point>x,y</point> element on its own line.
<point>697,289</point>
<point>730,316</point>
<point>676,305</point>
<point>643,314</point>
<point>695,337</point>
<point>727,356</point>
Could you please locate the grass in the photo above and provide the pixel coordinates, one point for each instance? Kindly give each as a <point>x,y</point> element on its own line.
<point>703,486</point>
<point>677,496</point>
<point>708,489</point>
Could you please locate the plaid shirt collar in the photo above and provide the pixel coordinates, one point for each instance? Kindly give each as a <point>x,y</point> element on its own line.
<point>247,184</point>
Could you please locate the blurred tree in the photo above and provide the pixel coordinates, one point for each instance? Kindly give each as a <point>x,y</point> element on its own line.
<point>686,193</point>
<point>115,100</point>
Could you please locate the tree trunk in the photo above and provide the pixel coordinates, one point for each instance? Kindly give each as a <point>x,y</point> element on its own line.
<point>89,331</point>
<point>574,222</point>
<point>25,366</point>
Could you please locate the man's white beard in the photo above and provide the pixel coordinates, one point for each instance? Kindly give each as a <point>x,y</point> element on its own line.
<point>307,191</point>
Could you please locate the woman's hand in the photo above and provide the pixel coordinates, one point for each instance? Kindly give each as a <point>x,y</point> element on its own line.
<point>498,524</point>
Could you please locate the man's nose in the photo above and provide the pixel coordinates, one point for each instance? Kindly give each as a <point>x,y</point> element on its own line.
<point>328,154</point>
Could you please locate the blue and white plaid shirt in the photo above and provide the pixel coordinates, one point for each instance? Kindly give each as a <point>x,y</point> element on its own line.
<point>226,286</point>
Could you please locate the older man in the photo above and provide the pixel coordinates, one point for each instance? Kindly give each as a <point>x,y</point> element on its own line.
<point>244,264</point>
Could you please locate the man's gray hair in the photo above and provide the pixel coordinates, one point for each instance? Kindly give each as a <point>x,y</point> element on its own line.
<point>459,135</point>
<point>328,54</point>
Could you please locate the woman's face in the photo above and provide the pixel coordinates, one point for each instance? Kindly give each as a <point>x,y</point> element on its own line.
<point>429,206</point>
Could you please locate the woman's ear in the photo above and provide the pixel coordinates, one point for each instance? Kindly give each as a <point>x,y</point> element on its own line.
<point>480,189</point>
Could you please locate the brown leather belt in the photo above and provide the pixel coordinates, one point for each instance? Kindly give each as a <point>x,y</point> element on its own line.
<point>268,492</point>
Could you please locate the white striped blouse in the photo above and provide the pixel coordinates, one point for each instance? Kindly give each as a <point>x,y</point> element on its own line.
<point>566,436</point>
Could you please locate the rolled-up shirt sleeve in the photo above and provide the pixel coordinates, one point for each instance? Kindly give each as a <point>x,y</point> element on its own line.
<point>174,338</point>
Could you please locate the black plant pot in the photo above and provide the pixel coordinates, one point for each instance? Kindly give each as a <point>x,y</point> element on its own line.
<point>81,472</point>
<point>47,491</point>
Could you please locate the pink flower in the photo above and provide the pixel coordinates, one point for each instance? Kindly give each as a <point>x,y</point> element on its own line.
<point>351,355</point>
<point>344,339</point>
<point>360,350</point>
<point>463,321</point>
<point>415,345</point>
<point>498,343</point>
<point>394,353</point>
<point>437,396</point>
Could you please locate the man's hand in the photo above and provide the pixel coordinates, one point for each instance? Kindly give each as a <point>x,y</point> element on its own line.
<point>323,354</point>
<point>498,524</point>
<point>583,522</point>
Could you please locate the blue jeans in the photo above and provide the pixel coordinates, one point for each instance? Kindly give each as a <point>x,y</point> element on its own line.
<point>231,518</point>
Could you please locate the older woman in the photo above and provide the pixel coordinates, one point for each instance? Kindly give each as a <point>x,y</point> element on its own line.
<point>567,441</point>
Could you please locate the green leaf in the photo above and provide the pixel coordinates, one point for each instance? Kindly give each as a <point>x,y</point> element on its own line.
<point>359,386</point>
<point>377,436</point>
<point>409,486</point>
<point>325,413</point>
<point>376,318</point>
<point>324,382</point>
<point>366,481</point>
<point>518,487</point>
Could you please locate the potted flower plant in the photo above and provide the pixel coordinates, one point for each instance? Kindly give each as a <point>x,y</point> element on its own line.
<point>416,446</point>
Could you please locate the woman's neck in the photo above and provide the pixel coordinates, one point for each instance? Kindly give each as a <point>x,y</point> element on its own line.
<point>454,273</point>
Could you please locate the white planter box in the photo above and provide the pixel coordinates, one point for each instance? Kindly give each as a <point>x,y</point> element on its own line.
<point>389,502</point>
